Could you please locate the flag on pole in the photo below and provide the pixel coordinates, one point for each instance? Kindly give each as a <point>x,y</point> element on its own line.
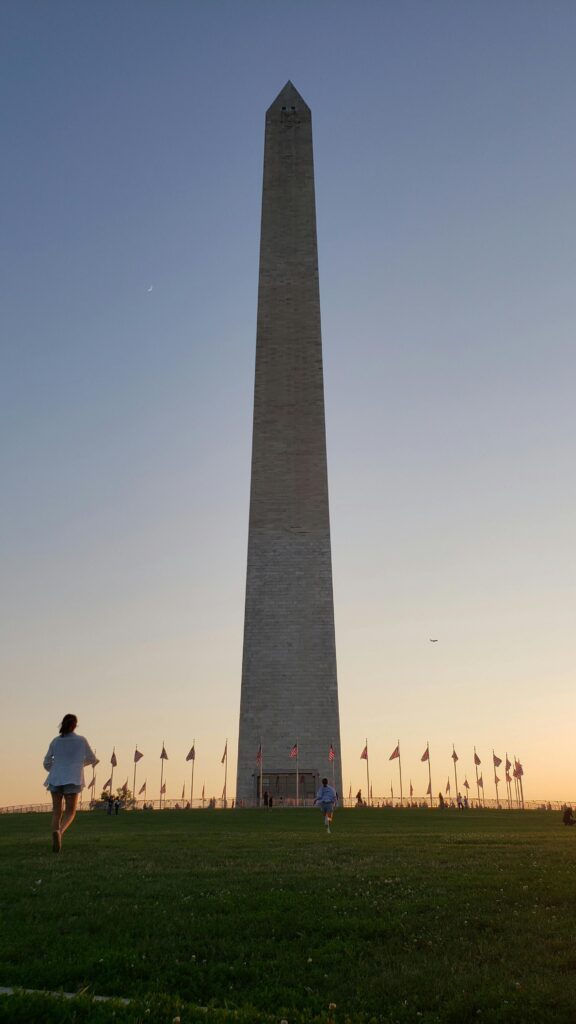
<point>202,792</point>
<point>294,751</point>
<point>395,753</point>
<point>519,770</point>
<point>350,793</point>
<point>364,754</point>
<point>225,754</point>
<point>411,789</point>
<point>137,756</point>
<point>477,759</point>
<point>481,782</point>
<point>391,791</point>
<point>370,792</point>
<point>496,779</point>
<point>497,761</point>
<point>142,790</point>
<point>163,790</point>
<point>108,784</point>
<point>183,791</point>
<point>259,756</point>
<point>113,760</point>
<point>125,788</point>
<point>91,783</point>
<point>448,785</point>
<point>426,755</point>
<point>466,784</point>
<point>508,764</point>
<point>331,754</point>
<point>429,790</point>
<point>191,755</point>
<point>163,755</point>
<point>454,755</point>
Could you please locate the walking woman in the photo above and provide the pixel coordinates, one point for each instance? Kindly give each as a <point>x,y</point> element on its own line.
<point>64,762</point>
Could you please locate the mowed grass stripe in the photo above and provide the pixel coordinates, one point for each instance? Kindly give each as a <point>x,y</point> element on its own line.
<point>412,915</point>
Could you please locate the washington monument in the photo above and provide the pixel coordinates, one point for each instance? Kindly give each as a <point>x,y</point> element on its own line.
<point>289,693</point>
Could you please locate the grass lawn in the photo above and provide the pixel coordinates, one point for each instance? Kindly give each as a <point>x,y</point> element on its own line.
<point>258,917</point>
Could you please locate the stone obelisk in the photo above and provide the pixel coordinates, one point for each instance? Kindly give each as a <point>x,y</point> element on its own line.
<point>289,683</point>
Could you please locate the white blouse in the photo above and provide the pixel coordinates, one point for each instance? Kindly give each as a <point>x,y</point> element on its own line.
<point>66,758</point>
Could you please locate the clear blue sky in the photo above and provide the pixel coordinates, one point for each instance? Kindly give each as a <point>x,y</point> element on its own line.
<point>132,139</point>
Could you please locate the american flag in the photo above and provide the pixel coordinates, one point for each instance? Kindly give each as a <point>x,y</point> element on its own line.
<point>395,753</point>
<point>163,755</point>
<point>364,754</point>
<point>259,756</point>
<point>331,754</point>
<point>477,759</point>
<point>225,754</point>
<point>137,756</point>
<point>426,755</point>
<point>142,789</point>
<point>191,755</point>
<point>109,783</point>
<point>481,782</point>
<point>466,784</point>
<point>448,786</point>
<point>497,761</point>
<point>113,760</point>
<point>163,790</point>
<point>294,751</point>
<point>454,755</point>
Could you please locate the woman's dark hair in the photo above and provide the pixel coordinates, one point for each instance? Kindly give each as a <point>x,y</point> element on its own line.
<point>68,724</point>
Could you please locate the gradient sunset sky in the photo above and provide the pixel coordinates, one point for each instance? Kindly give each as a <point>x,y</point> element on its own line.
<point>132,141</point>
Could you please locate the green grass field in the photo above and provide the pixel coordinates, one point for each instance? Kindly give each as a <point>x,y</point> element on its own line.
<point>257,917</point>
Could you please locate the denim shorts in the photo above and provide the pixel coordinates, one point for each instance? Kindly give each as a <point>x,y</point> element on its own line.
<point>65,790</point>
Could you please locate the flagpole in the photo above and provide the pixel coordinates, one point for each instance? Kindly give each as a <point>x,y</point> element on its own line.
<point>161,774</point>
<point>400,770</point>
<point>429,772</point>
<point>477,783</point>
<point>225,769</point>
<point>297,776</point>
<point>495,779</point>
<point>112,774</point>
<point>134,782</point>
<point>192,775</point>
<point>508,793</point>
<point>261,801</point>
<point>367,773</point>
<point>333,766</point>
<point>516,784</point>
<point>455,772</point>
<point>519,779</point>
<point>94,781</point>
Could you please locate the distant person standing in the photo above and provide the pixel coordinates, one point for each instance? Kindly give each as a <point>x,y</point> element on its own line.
<point>568,817</point>
<point>65,760</point>
<point>326,797</point>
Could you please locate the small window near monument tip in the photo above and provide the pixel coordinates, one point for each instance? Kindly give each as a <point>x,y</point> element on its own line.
<point>283,108</point>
